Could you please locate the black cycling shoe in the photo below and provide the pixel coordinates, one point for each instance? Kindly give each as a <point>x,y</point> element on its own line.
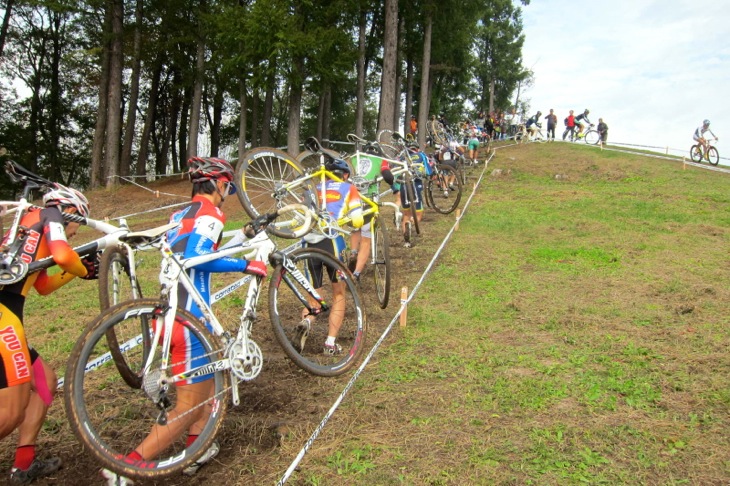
<point>38,469</point>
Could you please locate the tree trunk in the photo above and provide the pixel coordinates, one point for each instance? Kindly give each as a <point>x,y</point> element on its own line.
<point>390,54</point>
<point>242,122</point>
<point>327,114</point>
<point>197,100</point>
<point>491,95</point>
<point>255,103</point>
<point>6,24</point>
<point>129,129</point>
<point>113,124</point>
<point>149,121</point>
<point>361,75</point>
<point>174,115</point>
<point>215,127</point>
<point>398,76</point>
<point>268,106</point>
<point>182,137</point>
<point>295,106</point>
<point>409,96</point>
<point>55,118</point>
<point>424,100</point>
<point>97,150</point>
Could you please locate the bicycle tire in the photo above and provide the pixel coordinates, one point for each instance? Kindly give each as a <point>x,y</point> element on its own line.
<point>381,266</point>
<point>695,153</point>
<point>390,151</point>
<point>114,276</point>
<point>260,177</point>
<point>110,418</point>
<point>592,137</point>
<point>443,199</point>
<point>410,187</point>
<point>385,136</point>
<point>286,312</point>
<point>713,156</point>
<point>309,161</point>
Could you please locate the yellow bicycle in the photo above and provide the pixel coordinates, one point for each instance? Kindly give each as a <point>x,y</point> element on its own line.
<point>269,179</point>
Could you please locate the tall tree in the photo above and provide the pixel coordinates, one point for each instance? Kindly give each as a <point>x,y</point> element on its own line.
<point>390,57</point>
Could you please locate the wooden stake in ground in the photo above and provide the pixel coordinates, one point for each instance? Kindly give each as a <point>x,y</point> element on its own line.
<point>458,215</point>
<point>403,300</point>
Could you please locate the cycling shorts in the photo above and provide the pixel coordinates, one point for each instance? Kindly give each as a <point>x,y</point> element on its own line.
<point>16,357</point>
<point>697,138</point>
<point>405,204</point>
<point>473,144</point>
<point>316,270</point>
<point>186,353</point>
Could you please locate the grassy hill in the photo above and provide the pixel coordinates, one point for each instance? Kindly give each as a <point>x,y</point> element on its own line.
<point>574,330</point>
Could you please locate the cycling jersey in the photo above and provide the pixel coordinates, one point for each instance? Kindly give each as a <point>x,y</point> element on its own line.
<point>700,132</point>
<point>43,236</point>
<point>533,120</point>
<point>342,200</point>
<point>582,118</point>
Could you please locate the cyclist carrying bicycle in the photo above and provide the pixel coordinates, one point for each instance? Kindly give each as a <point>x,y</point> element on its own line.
<point>27,382</point>
<point>699,136</point>
<point>343,201</point>
<point>199,232</point>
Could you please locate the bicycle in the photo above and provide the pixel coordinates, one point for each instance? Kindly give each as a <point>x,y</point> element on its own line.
<point>270,178</point>
<point>110,417</point>
<point>589,135</point>
<point>697,153</point>
<point>443,185</point>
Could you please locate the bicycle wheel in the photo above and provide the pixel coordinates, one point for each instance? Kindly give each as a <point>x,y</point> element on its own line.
<point>410,186</point>
<point>444,197</point>
<point>385,136</point>
<point>111,419</point>
<point>592,137</point>
<point>262,175</point>
<point>310,161</point>
<point>695,153</point>
<point>381,264</point>
<point>289,289</point>
<point>389,151</point>
<point>117,285</point>
<point>713,156</point>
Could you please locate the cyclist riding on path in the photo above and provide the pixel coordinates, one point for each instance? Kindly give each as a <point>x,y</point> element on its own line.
<point>343,200</point>
<point>699,135</point>
<point>582,120</point>
<point>199,233</point>
<point>27,382</point>
<point>533,124</point>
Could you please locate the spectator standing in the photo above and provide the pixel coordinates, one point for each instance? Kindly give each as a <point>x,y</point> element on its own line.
<point>569,126</point>
<point>513,122</point>
<point>552,122</point>
<point>414,126</point>
<point>602,131</point>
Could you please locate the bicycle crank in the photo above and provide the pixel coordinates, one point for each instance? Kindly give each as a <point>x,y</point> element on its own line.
<point>246,363</point>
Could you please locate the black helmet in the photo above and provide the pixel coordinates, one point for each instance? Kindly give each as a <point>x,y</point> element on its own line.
<point>339,167</point>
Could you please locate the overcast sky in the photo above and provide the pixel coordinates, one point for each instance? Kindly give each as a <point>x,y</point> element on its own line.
<point>652,69</point>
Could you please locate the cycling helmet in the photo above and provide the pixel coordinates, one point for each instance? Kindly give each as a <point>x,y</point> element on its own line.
<point>66,198</point>
<point>539,113</point>
<point>202,169</point>
<point>586,111</point>
<point>209,169</point>
<point>338,167</point>
<point>706,122</point>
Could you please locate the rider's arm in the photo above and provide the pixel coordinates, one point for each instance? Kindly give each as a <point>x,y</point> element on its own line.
<point>55,234</point>
<point>45,284</point>
<point>203,240</point>
<point>354,207</point>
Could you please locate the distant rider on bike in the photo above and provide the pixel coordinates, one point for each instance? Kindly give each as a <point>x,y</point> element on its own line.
<point>699,135</point>
<point>582,120</point>
<point>533,124</point>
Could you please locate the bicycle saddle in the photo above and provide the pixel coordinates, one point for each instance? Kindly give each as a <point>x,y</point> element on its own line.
<point>18,173</point>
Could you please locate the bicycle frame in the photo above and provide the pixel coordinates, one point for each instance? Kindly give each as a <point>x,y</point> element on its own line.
<point>173,273</point>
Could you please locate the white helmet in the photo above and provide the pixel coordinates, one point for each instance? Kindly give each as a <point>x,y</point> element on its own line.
<point>68,197</point>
